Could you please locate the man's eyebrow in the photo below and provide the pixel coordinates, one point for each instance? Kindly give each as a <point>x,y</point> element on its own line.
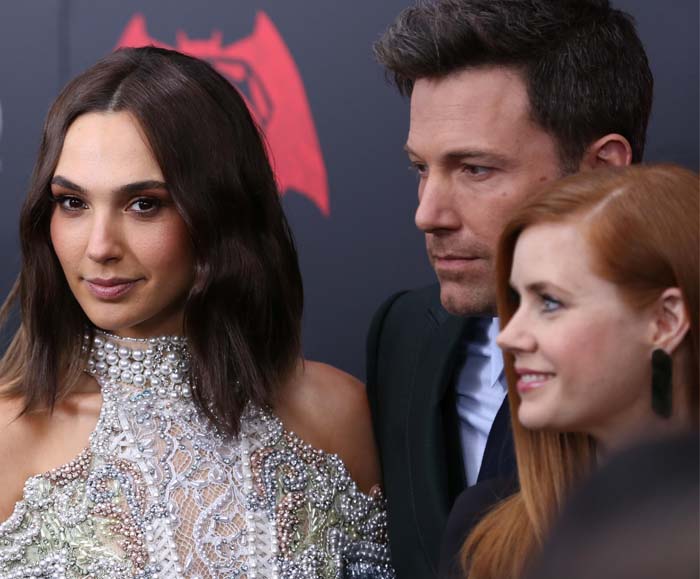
<point>476,155</point>
<point>457,155</point>
<point>130,188</point>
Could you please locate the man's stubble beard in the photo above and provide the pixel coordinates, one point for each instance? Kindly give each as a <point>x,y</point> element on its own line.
<point>468,298</point>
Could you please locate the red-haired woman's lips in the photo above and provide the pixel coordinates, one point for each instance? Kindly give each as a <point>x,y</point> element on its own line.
<point>529,380</point>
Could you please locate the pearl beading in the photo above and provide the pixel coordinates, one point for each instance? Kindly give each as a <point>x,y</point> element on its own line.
<point>262,505</point>
<point>160,363</point>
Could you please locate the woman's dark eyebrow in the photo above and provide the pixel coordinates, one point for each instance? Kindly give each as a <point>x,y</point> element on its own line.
<point>129,189</point>
<point>142,186</point>
<point>63,182</point>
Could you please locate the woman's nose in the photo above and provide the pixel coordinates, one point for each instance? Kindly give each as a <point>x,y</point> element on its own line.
<point>105,241</point>
<point>516,336</point>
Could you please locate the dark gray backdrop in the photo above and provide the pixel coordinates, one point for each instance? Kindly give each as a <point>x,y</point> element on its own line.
<point>368,247</point>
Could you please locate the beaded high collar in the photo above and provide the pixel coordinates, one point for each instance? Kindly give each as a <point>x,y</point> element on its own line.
<point>161,364</point>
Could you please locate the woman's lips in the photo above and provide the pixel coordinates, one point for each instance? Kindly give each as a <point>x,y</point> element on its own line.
<point>528,381</point>
<point>109,289</point>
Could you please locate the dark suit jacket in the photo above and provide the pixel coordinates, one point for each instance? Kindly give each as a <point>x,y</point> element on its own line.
<point>412,350</point>
<point>469,508</point>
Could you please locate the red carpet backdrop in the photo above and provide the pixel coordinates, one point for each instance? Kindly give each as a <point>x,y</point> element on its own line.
<point>335,128</point>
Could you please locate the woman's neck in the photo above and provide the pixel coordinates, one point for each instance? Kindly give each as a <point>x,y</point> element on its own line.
<point>161,364</point>
<point>655,427</point>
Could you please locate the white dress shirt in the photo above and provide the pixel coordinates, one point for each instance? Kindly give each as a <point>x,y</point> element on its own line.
<point>481,389</point>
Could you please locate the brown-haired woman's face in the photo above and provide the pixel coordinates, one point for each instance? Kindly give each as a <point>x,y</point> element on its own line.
<point>582,354</point>
<point>123,246</point>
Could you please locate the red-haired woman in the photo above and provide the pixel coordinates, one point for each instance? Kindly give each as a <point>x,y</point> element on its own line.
<point>598,300</point>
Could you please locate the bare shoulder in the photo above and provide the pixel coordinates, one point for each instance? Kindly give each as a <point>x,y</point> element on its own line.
<point>11,456</point>
<point>328,408</point>
<point>10,408</point>
<point>39,441</point>
<point>334,390</point>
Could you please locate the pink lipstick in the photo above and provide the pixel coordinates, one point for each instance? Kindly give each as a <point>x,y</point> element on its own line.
<point>529,380</point>
<point>110,288</point>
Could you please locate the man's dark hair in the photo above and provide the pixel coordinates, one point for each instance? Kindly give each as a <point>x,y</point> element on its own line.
<point>585,69</point>
<point>243,312</point>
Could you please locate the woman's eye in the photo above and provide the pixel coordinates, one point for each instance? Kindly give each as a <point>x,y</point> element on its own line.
<point>68,203</point>
<point>145,205</point>
<point>513,296</point>
<point>549,304</point>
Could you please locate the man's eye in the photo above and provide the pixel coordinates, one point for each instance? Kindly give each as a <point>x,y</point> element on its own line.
<point>145,205</point>
<point>420,169</point>
<point>477,170</point>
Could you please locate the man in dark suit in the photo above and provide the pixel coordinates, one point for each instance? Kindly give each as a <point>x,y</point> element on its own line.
<point>505,95</point>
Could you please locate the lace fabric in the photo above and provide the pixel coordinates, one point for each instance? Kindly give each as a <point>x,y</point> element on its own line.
<point>160,492</point>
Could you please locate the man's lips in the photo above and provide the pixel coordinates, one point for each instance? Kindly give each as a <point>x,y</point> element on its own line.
<point>454,256</point>
<point>529,379</point>
<point>110,288</point>
<point>451,261</point>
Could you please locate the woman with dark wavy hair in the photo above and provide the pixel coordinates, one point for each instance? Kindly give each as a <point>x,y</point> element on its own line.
<point>156,416</point>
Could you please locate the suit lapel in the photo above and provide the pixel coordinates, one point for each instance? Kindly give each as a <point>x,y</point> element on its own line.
<point>427,455</point>
<point>499,454</point>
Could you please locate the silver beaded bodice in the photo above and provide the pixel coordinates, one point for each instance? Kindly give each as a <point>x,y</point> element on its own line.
<point>160,493</point>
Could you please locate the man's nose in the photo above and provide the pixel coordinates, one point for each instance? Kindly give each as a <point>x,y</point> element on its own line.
<point>105,241</point>
<point>437,205</point>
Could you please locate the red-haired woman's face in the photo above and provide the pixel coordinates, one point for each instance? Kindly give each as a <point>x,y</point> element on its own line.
<point>123,246</point>
<point>582,355</point>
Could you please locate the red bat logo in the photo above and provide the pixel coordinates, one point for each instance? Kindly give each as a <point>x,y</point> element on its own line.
<point>261,67</point>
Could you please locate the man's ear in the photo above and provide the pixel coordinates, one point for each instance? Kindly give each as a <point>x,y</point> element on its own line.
<point>612,150</point>
<point>670,320</point>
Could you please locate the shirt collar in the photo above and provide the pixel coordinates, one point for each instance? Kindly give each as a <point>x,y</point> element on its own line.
<point>481,341</point>
<point>496,354</point>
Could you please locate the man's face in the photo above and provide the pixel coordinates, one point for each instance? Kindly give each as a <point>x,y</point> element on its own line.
<point>478,154</point>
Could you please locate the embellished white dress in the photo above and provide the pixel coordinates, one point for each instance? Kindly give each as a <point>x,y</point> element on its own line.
<point>160,493</point>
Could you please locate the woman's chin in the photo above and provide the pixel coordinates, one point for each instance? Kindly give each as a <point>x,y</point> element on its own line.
<point>126,328</point>
<point>534,418</point>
